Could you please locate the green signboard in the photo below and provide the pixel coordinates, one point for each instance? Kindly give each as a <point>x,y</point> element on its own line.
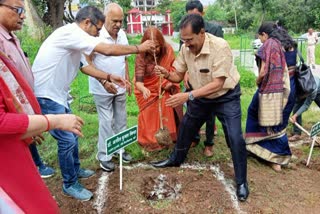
<point>120,140</point>
<point>315,129</point>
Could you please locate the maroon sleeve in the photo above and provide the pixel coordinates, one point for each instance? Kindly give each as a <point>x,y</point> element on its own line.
<point>140,67</point>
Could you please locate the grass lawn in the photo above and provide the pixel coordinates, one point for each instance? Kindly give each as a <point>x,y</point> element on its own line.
<point>83,106</point>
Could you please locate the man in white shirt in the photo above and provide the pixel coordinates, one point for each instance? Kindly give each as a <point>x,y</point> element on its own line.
<point>111,107</point>
<point>54,69</point>
<point>312,39</point>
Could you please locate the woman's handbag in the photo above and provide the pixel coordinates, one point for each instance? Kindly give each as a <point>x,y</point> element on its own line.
<point>305,83</point>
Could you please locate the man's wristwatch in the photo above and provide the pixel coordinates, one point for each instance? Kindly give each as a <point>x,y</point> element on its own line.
<point>190,96</point>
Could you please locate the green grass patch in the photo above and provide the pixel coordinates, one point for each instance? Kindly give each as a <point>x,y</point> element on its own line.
<point>83,106</point>
<point>233,40</point>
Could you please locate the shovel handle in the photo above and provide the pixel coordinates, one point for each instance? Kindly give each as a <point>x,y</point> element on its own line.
<point>300,127</point>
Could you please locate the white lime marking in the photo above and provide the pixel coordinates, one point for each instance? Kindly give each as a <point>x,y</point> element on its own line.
<point>227,183</point>
<point>138,165</point>
<point>102,192</point>
<point>228,186</point>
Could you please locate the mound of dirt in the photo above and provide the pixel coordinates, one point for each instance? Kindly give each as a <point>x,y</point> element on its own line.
<point>161,188</point>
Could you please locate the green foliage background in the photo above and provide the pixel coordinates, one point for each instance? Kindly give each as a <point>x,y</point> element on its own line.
<point>297,15</point>
<point>247,15</point>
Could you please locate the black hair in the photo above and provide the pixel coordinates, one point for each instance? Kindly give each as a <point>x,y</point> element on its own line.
<point>280,22</point>
<point>287,41</point>
<point>268,28</point>
<point>195,20</point>
<point>90,12</point>
<point>279,33</point>
<point>192,4</point>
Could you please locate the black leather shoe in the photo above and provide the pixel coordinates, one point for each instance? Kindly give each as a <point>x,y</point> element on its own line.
<point>163,163</point>
<point>242,191</point>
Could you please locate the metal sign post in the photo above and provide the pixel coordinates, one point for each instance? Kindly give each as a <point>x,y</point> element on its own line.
<point>313,134</point>
<point>119,141</point>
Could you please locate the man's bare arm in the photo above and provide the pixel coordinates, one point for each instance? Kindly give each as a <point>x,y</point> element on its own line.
<point>118,50</point>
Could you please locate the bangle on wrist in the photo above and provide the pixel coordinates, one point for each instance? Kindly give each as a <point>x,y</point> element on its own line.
<point>103,82</point>
<point>137,48</point>
<point>48,123</point>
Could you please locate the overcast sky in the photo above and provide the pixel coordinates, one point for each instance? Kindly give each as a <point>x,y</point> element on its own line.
<point>206,2</point>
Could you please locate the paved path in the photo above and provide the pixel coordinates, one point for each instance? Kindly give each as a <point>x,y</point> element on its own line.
<point>316,71</point>
<point>173,44</point>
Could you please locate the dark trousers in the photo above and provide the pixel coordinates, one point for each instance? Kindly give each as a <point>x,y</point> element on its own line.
<point>35,154</point>
<point>210,123</point>
<point>228,110</point>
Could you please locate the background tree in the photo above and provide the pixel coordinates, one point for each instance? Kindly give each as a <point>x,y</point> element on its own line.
<point>97,3</point>
<point>34,24</point>
<point>51,11</point>
<point>163,5</point>
<point>215,12</point>
<point>298,15</point>
<point>177,8</point>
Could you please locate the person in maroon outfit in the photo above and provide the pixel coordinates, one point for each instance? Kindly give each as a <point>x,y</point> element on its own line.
<point>20,122</point>
<point>12,16</point>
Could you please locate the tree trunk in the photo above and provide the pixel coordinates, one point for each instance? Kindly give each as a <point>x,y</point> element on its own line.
<point>35,25</point>
<point>54,16</point>
<point>235,18</point>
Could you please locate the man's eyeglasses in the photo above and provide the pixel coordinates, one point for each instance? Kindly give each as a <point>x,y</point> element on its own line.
<point>18,10</point>
<point>186,40</point>
<point>98,29</point>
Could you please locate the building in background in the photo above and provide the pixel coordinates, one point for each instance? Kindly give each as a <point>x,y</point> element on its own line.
<point>138,20</point>
<point>140,16</point>
<point>145,5</point>
<point>143,15</point>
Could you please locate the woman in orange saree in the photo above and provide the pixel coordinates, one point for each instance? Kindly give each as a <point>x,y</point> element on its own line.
<point>147,92</point>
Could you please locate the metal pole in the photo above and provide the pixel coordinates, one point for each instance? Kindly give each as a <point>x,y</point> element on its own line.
<point>311,149</point>
<point>120,169</point>
<point>314,139</point>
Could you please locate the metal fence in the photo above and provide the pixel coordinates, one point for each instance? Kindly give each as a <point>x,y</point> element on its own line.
<point>247,52</point>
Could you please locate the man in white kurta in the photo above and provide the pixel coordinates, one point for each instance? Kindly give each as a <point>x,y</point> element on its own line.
<point>111,107</point>
<point>312,39</point>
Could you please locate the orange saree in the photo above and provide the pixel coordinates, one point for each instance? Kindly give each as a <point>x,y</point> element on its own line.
<point>149,117</point>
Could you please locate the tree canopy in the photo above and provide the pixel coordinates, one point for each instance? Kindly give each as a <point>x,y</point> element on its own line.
<point>297,15</point>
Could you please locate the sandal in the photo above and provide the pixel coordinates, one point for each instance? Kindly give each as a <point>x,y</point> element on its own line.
<point>275,167</point>
<point>294,137</point>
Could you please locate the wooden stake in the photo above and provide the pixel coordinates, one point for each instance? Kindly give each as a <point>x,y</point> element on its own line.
<point>300,127</point>
<point>160,82</point>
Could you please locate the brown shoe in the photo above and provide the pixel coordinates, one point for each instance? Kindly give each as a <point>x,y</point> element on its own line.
<point>208,151</point>
<point>194,144</point>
